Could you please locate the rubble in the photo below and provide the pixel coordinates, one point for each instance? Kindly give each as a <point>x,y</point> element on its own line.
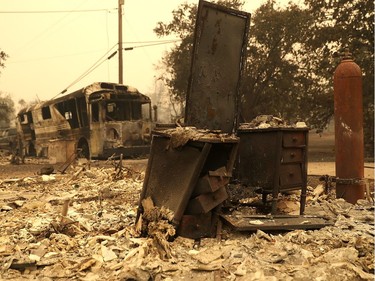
<point>270,121</point>
<point>179,136</point>
<point>83,228</point>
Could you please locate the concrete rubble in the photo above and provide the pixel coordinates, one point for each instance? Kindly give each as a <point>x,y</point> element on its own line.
<point>81,226</point>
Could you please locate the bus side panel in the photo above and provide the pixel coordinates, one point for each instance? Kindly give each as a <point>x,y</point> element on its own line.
<point>61,150</point>
<point>54,136</point>
<point>97,130</point>
<point>96,139</point>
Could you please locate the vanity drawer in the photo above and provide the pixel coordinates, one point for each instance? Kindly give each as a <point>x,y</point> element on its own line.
<point>294,139</point>
<point>290,155</point>
<point>290,174</point>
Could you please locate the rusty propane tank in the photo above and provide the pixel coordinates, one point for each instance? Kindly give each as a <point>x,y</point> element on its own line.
<point>348,111</point>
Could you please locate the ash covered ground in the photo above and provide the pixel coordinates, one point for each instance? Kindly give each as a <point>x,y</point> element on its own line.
<point>80,225</point>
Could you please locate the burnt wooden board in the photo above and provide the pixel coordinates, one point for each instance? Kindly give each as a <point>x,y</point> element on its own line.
<point>252,223</point>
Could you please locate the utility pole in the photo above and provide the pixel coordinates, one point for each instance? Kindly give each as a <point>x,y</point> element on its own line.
<point>120,70</point>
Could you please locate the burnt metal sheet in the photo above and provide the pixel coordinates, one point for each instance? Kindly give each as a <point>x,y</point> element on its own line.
<point>220,41</point>
<point>173,173</point>
<point>281,222</point>
<point>178,159</point>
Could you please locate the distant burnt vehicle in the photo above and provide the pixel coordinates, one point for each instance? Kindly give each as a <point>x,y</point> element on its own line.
<point>8,138</point>
<point>97,121</point>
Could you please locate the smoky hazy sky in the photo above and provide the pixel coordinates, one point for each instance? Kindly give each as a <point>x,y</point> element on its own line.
<point>49,51</point>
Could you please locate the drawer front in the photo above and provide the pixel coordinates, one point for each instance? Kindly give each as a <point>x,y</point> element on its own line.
<point>290,174</point>
<point>293,139</point>
<point>290,155</point>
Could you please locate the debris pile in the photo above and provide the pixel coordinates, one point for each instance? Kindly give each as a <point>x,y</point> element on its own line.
<point>269,121</point>
<point>179,136</point>
<point>157,223</point>
<point>83,228</point>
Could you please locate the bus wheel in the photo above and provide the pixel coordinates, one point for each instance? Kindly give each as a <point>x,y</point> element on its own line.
<point>83,149</point>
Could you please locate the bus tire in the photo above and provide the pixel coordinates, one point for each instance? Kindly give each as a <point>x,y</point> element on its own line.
<point>83,149</point>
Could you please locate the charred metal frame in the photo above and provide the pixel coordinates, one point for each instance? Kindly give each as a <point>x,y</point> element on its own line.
<point>220,42</point>
<point>189,180</point>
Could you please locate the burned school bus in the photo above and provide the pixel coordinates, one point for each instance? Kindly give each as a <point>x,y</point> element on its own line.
<point>97,121</point>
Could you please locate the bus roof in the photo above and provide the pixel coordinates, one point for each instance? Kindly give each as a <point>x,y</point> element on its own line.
<point>87,91</point>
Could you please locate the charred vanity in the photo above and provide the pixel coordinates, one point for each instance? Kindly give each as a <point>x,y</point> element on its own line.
<point>190,167</point>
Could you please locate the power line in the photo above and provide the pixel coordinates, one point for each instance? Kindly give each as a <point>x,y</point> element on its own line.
<point>52,57</point>
<point>54,25</point>
<point>106,57</point>
<point>153,41</point>
<point>50,12</point>
<point>154,44</point>
<point>91,69</point>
